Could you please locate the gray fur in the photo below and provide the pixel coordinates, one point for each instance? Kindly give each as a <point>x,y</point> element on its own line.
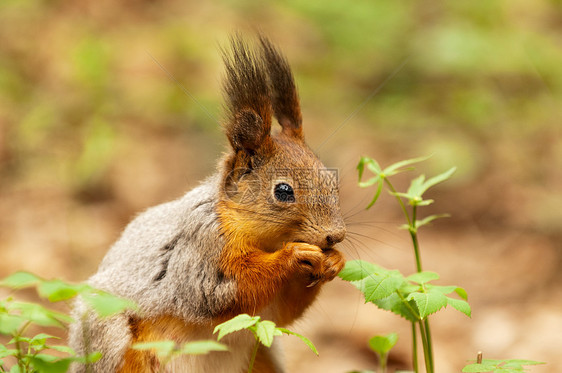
<point>167,262</point>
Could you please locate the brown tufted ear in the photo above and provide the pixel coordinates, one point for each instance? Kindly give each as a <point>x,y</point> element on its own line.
<point>248,102</point>
<point>284,94</point>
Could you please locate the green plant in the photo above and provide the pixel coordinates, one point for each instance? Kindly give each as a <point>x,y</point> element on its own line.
<point>382,344</point>
<point>264,332</point>
<point>500,366</point>
<point>35,353</point>
<point>169,350</point>
<point>412,297</point>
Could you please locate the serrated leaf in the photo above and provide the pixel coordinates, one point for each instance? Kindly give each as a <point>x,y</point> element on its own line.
<point>302,338</point>
<point>382,344</point>
<point>162,348</point>
<point>9,324</point>
<point>243,321</point>
<point>265,330</point>
<point>423,277</point>
<point>478,368</point>
<point>105,304</point>
<point>20,280</point>
<point>460,305</point>
<point>202,347</point>
<point>380,285</point>
<point>356,270</point>
<point>395,304</point>
<point>429,302</point>
<point>442,289</point>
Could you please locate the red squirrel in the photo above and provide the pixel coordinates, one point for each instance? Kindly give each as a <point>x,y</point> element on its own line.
<point>257,237</point>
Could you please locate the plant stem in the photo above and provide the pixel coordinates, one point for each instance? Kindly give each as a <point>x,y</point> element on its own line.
<point>382,362</point>
<point>404,210</point>
<point>413,233</point>
<point>429,343</point>
<point>415,348</point>
<point>253,358</point>
<point>428,364</point>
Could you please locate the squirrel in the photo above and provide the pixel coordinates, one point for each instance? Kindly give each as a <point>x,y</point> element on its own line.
<point>257,237</point>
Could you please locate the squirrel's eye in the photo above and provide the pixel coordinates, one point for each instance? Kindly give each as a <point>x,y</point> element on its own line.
<point>284,193</point>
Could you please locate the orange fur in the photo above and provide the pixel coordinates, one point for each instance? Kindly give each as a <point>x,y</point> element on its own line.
<point>277,278</point>
<point>150,330</point>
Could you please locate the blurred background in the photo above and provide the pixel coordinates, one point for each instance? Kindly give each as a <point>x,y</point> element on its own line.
<point>109,107</point>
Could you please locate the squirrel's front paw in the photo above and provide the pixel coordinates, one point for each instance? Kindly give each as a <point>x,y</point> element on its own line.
<point>320,265</point>
<point>308,260</point>
<point>333,263</point>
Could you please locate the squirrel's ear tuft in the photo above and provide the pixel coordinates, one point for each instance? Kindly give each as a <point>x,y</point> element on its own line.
<point>248,101</point>
<point>247,131</point>
<point>283,89</point>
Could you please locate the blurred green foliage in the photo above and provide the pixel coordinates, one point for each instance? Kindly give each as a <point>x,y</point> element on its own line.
<point>481,82</point>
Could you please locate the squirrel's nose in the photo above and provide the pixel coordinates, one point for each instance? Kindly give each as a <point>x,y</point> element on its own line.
<point>335,237</point>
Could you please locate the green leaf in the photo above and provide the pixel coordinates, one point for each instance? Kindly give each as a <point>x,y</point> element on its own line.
<point>416,188</point>
<point>523,362</point>
<point>461,293</point>
<point>40,315</point>
<point>393,169</point>
<point>162,348</point>
<point>382,344</point>
<point>57,290</point>
<point>243,321</point>
<point>396,305</point>
<point>356,270</point>
<point>377,195</point>
<point>202,347</point>
<point>478,368</point>
<point>46,364</point>
<point>423,277</point>
<point>106,304</point>
<point>460,305</point>
<point>20,280</point>
<point>302,338</point>
<point>64,349</point>
<point>9,324</point>
<point>380,285</point>
<point>266,331</point>
<point>88,359</point>
<point>429,219</point>
<point>371,181</point>
<point>439,178</point>
<point>5,352</point>
<point>429,302</point>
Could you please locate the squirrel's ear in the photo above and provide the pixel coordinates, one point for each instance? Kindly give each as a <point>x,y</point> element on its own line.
<point>247,131</point>
<point>248,102</point>
<point>283,89</point>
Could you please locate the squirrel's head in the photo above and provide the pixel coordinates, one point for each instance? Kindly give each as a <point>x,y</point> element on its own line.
<point>274,189</point>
